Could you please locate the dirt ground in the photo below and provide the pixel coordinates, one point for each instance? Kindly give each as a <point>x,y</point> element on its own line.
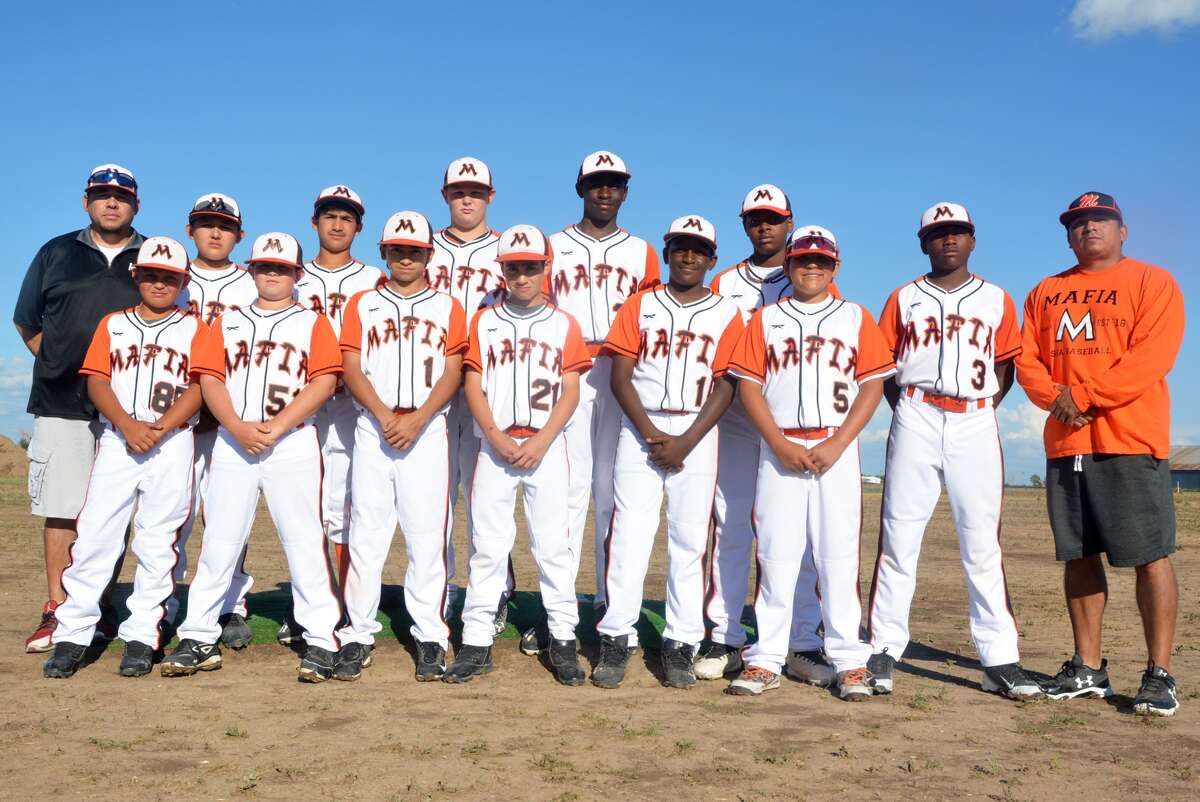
<point>251,731</point>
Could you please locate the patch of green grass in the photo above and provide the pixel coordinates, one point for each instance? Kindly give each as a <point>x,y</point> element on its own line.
<point>684,747</point>
<point>234,731</point>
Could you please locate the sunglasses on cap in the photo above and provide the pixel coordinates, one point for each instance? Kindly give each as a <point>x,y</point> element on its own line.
<point>103,177</point>
<point>813,243</point>
<point>215,206</point>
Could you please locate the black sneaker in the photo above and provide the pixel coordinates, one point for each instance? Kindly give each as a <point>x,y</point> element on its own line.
<point>1075,680</point>
<point>235,632</point>
<point>469,663</point>
<point>317,664</point>
<point>882,667</point>
<point>563,659</point>
<point>609,670</point>
<point>137,659</point>
<point>1011,680</point>
<point>289,633</point>
<point>65,661</point>
<point>1157,696</point>
<point>678,671</point>
<point>351,661</point>
<point>431,661</point>
<point>189,657</point>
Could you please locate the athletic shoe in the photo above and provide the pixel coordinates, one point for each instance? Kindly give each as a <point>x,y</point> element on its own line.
<point>469,663</point>
<point>1157,696</point>
<point>1011,680</point>
<point>563,659</point>
<point>677,664</point>
<point>1075,680</point>
<point>137,660</point>
<point>716,660</point>
<point>189,657</point>
<point>67,659</point>
<point>609,670</point>
<point>106,627</point>
<point>854,685</point>
<point>317,664</point>
<point>351,661</point>
<point>289,633</point>
<point>235,632</point>
<point>810,667</point>
<point>882,667</point>
<point>753,681</point>
<point>39,641</point>
<point>535,639</point>
<point>431,661</point>
<point>502,612</point>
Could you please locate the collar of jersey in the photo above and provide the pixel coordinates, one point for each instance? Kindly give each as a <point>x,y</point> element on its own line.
<point>454,239</point>
<point>775,275</point>
<point>261,313</point>
<point>676,302</point>
<point>427,291</point>
<point>347,266</point>
<point>543,313</point>
<point>971,279</point>
<point>131,313</point>
<point>574,229</point>
<point>209,275</point>
<point>800,308</point>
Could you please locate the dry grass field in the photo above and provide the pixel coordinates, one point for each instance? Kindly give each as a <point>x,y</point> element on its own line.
<point>251,731</point>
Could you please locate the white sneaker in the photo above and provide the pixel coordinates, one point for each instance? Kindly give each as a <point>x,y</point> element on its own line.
<point>716,660</point>
<point>855,685</point>
<point>811,667</point>
<point>753,681</point>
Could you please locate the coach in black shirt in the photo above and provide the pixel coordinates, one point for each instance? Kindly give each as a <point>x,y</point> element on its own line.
<point>73,282</point>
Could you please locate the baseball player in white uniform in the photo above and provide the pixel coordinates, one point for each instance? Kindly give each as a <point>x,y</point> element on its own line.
<point>522,383</point>
<point>597,266</point>
<point>402,346</point>
<point>464,267</point>
<point>811,368</point>
<point>756,282</point>
<point>329,281</point>
<point>954,337</point>
<point>140,376</point>
<point>216,285</point>
<point>669,347</point>
<point>265,371</point>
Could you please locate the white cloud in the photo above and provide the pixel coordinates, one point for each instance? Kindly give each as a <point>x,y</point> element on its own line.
<point>1185,433</point>
<point>15,372</point>
<point>1021,423</point>
<point>1100,20</point>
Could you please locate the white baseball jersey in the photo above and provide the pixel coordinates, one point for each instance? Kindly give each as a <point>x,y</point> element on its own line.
<point>327,291</point>
<point>811,359</point>
<point>589,278</point>
<point>209,293</point>
<point>522,360</point>
<point>466,271</point>
<point>948,342</point>
<point>680,349</point>
<point>149,363</point>
<point>403,341</point>
<point>266,358</point>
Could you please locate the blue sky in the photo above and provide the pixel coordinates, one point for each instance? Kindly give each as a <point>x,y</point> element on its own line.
<point>865,113</point>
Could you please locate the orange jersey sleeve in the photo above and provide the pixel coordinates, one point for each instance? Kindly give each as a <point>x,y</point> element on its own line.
<point>324,356</point>
<point>889,322</point>
<point>576,358</point>
<point>834,291</point>
<point>209,357</point>
<point>749,356</point>
<point>652,278</point>
<point>874,355</point>
<point>199,342</point>
<point>1007,343</point>
<point>456,333</point>
<point>624,337</point>
<point>96,362</point>
<point>351,336</point>
<point>473,359</point>
<point>726,345</point>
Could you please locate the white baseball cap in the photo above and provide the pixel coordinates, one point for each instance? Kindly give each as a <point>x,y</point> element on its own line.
<point>340,193</point>
<point>523,243</point>
<point>813,239</point>
<point>407,228</point>
<point>768,197</point>
<point>602,161</point>
<point>943,214</point>
<point>468,170</point>
<point>692,225</point>
<point>163,253</point>
<point>214,204</point>
<point>277,248</point>
<point>112,175</point>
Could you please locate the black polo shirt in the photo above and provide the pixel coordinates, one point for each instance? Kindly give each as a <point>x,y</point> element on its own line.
<point>67,290</point>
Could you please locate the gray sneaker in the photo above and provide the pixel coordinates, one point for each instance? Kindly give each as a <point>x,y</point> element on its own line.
<point>317,664</point>
<point>189,657</point>
<point>609,670</point>
<point>235,632</point>
<point>677,666</point>
<point>1157,696</point>
<point>137,659</point>
<point>1011,680</point>
<point>882,666</point>
<point>810,667</point>
<point>351,661</point>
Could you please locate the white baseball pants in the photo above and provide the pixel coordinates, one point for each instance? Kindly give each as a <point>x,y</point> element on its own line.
<point>733,543</point>
<point>159,483</point>
<point>591,437</point>
<point>493,499</point>
<point>335,422</point>
<point>289,475</point>
<point>796,514</point>
<point>411,488</point>
<point>927,446</point>
<point>235,598</point>
<point>638,490</point>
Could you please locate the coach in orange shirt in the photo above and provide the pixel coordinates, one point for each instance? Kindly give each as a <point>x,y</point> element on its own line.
<point>1098,341</point>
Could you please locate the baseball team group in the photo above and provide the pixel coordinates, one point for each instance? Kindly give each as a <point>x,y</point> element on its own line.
<point>171,387</point>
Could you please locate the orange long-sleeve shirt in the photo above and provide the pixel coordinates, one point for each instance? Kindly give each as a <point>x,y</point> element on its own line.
<point>1112,337</point>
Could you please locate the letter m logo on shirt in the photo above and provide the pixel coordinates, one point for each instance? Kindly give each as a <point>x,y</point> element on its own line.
<point>1072,330</point>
